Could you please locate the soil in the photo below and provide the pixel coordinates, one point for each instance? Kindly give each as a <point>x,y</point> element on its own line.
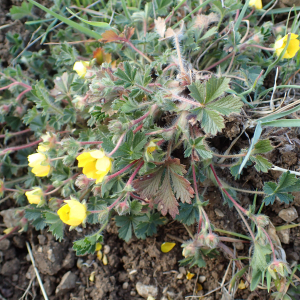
<point>140,262</point>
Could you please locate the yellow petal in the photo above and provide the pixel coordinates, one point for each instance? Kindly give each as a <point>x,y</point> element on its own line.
<point>167,247</point>
<point>35,196</point>
<point>98,246</point>
<point>103,165</point>
<point>90,170</point>
<point>41,171</point>
<point>189,275</point>
<point>242,285</point>
<point>97,154</point>
<point>36,159</point>
<point>84,158</point>
<point>80,68</point>
<point>8,230</point>
<point>73,213</point>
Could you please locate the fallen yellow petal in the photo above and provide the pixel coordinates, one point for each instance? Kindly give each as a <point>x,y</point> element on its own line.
<point>242,285</point>
<point>167,247</point>
<point>189,275</point>
<point>8,230</point>
<point>92,276</point>
<point>199,287</point>
<point>99,255</point>
<point>98,246</point>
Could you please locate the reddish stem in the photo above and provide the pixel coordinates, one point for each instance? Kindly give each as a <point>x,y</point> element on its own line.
<point>121,171</point>
<point>219,62</point>
<point>224,190</point>
<point>134,173</point>
<point>12,149</point>
<point>14,133</point>
<point>91,143</point>
<point>10,233</point>
<point>138,128</point>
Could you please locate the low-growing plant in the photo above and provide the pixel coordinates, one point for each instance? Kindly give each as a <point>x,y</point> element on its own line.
<point>125,127</point>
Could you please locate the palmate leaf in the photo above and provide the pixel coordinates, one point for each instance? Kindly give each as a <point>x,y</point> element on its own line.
<point>56,225</point>
<point>261,163</point>
<point>87,245</point>
<point>188,214</point>
<point>166,185</point>
<point>212,121</point>
<point>287,183</point>
<point>215,87</point>
<point>227,105</point>
<point>262,146</point>
<point>199,145</point>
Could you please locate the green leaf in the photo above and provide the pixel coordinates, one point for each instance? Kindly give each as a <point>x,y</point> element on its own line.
<point>36,216</point>
<point>87,245</point>
<point>212,122</point>
<point>126,76</point>
<point>199,145</point>
<point>262,146</point>
<point>255,280</point>
<point>216,87</point>
<point>149,226</point>
<point>71,23</point>
<point>96,24</point>
<point>56,225</point>
<point>188,213</point>
<point>135,207</point>
<point>227,105</point>
<point>19,12</point>
<point>65,54</point>
<point>198,92</point>
<point>95,203</point>
<point>261,163</point>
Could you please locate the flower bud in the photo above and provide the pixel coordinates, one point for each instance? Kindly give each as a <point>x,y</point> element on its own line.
<point>211,240</point>
<point>122,208</point>
<point>189,249</point>
<point>262,220</point>
<point>82,181</point>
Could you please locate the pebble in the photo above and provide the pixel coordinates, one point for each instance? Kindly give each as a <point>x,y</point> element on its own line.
<point>219,213</point>
<point>202,278</point>
<point>132,293</point>
<point>284,236</point>
<point>4,244</point>
<point>50,255</point>
<point>42,239</point>
<point>125,285</point>
<point>19,241</point>
<point>10,219</point>
<point>182,270</point>
<point>11,267</point>
<point>67,283</point>
<point>106,249</point>
<point>146,290</point>
<point>239,245</point>
<point>30,273</point>
<point>180,276</point>
<point>288,214</point>
<point>15,277</point>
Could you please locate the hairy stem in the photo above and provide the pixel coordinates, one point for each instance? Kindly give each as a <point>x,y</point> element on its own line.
<point>12,149</point>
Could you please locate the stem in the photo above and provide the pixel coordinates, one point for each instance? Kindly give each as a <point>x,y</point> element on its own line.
<point>118,144</point>
<point>137,50</point>
<point>247,191</point>
<point>112,205</point>
<point>121,171</point>
<point>270,241</point>
<point>90,143</point>
<point>138,128</point>
<point>10,190</point>
<point>261,47</point>
<point>219,62</point>
<point>229,155</point>
<point>187,100</point>
<point>14,133</point>
<point>12,149</point>
<point>134,173</point>
<point>10,233</point>
<point>63,183</point>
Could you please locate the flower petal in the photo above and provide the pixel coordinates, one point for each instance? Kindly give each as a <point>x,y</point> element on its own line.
<point>84,158</point>
<point>97,154</point>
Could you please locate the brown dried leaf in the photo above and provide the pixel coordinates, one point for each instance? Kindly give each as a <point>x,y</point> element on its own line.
<point>109,36</point>
<point>203,21</point>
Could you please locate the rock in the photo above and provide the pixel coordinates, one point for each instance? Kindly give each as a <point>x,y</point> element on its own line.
<point>179,276</point>
<point>11,267</point>
<point>67,283</point>
<point>239,245</point>
<point>30,273</point>
<point>106,249</point>
<point>288,214</point>
<point>293,256</point>
<point>19,241</point>
<point>42,239</point>
<point>10,253</point>
<point>69,261</point>
<point>49,285</point>
<point>4,244</point>
<point>202,278</point>
<point>10,219</point>
<point>182,270</point>
<point>146,290</point>
<point>125,285</point>
<point>15,277</point>
<point>49,258</point>
<point>219,213</point>
<point>284,236</point>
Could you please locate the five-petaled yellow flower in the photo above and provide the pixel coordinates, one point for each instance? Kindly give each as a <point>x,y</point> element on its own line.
<point>35,196</point>
<point>256,3</point>
<point>73,213</point>
<point>80,67</point>
<point>39,163</point>
<point>292,47</point>
<point>95,164</point>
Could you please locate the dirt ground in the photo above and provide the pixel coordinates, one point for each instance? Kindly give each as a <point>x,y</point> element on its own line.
<point>140,263</point>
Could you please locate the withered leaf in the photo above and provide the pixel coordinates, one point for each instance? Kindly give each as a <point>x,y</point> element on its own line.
<point>203,21</point>
<point>160,26</point>
<point>166,185</point>
<point>109,36</point>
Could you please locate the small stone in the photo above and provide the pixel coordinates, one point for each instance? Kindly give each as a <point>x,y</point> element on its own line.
<point>10,253</point>
<point>40,249</point>
<point>288,214</point>
<point>293,256</point>
<point>239,245</point>
<point>15,277</point>
<point>106,249</point>
<point>146,290</point>
<point>219,213</point>
<point>50,255</point>
<point>214,274</point>
<point>284,236</point>
<point>4,244</point>
<point>179,276</point>
<point>30,273</point>
<point>10,219</point>
<point>19,241</point>
<point>125,285</point>
<point>69,261</point>
<point>67,283</point>
<point>11,267</point>
<point>202,278</point>
<point>42,239</point>
<point>49,285</point>
<point>182,270</point>
<point>132,293</point>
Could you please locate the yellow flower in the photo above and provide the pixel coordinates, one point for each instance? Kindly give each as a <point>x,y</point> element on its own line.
<point>292,48</point>
<point>73,213</point>
<point>256,3</point>
<point>189,275</point>
<point>80,67</point>
<point>39,163</point>
<point>95,164</point>
<point>35,196</point>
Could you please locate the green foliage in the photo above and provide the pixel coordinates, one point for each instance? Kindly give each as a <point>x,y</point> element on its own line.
<point>55,225</point>
<point>87,245</point>
<point>19,12</point>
